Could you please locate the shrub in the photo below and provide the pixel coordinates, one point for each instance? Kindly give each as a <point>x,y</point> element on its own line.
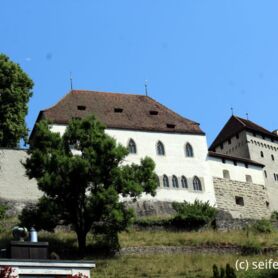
<point>193,216</point>
<point>274,215</point>
<point>153,221</point>
<point>229,272</point>
<point>251,247</point>
<point>262,226</point>
<point>3,210</point>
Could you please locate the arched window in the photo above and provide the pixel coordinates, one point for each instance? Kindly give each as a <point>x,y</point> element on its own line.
<point>165,181</point>
<point>262,154</point>
<point>188,150</point>
<point>175,181</point>
<point>132,146</point>
<point>184,182</point>
<point>160,148</point>
<point>226,174</point>
<point>197,184</point>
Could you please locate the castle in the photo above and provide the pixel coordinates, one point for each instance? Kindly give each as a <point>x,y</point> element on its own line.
<point>233,175</point>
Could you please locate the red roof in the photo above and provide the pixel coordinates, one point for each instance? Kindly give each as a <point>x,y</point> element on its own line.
<point>120,111</point>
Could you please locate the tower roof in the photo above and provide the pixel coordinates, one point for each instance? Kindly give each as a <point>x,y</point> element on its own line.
<point>235,125</point>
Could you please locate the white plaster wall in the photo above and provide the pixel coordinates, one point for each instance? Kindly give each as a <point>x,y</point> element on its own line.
<point>173,163</point>
<point>238,172</point>
<point>237,146</point>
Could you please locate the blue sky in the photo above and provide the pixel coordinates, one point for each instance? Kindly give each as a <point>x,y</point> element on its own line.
<point>200,57</point>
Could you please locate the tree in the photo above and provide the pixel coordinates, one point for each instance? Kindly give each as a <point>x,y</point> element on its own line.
<point>83,189</point>
<point>15,92</point>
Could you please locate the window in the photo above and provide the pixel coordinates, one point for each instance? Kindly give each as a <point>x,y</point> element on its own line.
<point>248,178</point>
<point>81,107</point>
<point>226,174</point>
<point>165,181</point>
<point>239,201</point>
<point>160,148</point>
<point>275,177</point>
<point>223,160</point>
<point>118,110</point>
<point>246,165</point>
<point>265,173</point>
<point>175,182</point>
<point>184,182</point>
<point>132,146</point>
<point>197,186</point>
<point>153,112</point>
<point>272,157</point>
<point>157,180</point>
<point>170,125</point>
<point>188,150</point>
<point>262,154</point>
<point>235,163</point>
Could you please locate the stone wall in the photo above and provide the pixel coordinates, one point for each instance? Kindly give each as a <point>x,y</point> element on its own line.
<point>16,188</point>
<point>151,208</point>
<point>254,197</point>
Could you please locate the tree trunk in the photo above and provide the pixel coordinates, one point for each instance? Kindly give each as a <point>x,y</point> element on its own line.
<point>81,237</point>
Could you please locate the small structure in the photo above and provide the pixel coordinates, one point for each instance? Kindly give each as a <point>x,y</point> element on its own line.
<point>27,259</point>
<point>48,268</point>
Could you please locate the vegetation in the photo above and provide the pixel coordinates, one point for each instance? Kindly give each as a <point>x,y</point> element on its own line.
<point>15,92</point>
<point>193,216</point>
<point>3,210</point>
<point>83,190</point>
<point>227,272</point>
<point>262,226</point>
<point>197,265</point>
<point>274,215</point>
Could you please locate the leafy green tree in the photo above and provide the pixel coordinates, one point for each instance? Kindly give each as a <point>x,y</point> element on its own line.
<point>84,189</point>
<point>15,92</point>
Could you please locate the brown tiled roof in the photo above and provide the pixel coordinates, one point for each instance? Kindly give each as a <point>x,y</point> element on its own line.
<point>234,158</point>
<point>121,111</point>
<point>235,125</point>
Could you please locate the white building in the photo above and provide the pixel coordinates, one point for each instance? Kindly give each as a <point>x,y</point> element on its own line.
<point>177,145</point>
<point>232,176</point>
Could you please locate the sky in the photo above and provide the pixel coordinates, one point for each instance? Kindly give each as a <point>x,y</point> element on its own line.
<point>200,57</point>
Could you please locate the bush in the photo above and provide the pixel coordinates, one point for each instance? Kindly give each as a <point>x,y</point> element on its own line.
<point>263,226</point>
<point>146,222</point>
<point>251,247</point>
<point>274,215</point>
<point>193,216</point>
<point>229,272</point>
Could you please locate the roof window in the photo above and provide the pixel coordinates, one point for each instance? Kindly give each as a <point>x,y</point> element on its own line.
<point>153,112</point>
<point>118,110</point>
<point>170,125</point>
<point>81,107</point>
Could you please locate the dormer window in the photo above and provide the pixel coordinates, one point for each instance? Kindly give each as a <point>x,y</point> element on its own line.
<point>81,107</point>
<point>153,112</point>
<point>118,110</point>
<point>170,125</point>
